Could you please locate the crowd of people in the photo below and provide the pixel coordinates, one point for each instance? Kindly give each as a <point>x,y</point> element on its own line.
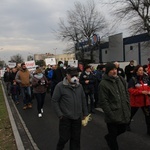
<point>75,93</point>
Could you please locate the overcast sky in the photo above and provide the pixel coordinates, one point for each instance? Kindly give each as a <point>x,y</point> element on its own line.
<point>26,26</point>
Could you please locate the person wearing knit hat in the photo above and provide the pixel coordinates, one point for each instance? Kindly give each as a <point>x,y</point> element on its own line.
<point>69,103</point>
<point>114,100</point>
<point>109,66</point>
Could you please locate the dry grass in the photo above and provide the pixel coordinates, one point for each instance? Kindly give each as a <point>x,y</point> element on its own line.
<point>7,141</point>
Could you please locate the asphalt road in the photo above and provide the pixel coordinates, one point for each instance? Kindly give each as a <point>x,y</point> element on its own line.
<point>44,131</point>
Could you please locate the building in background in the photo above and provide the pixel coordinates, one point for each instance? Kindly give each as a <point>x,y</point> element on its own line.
<point>125,49</point>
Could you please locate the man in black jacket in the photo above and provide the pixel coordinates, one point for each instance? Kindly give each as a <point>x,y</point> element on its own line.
<point>88,81</point>
<point>129,70</point>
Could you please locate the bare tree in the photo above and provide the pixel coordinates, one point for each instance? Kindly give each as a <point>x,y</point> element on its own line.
<point>30,57</point>
<point>82,22</point>
<point>135,12</point>
<point>17,58</point>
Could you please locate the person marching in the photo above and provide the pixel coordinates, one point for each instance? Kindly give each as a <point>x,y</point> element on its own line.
<point>114,100</point>
<point>139,89</point>
<point>70,106</point>
<point>88,81</point>
<point>39,83</point>
<point>23,77</point>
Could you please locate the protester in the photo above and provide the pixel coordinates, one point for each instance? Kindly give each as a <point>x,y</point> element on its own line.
<point>129,70</point>
<point>70,105</point>
<point>120,71</point>
<point>139,89</point>
<point>23,77</point>
<point>114,100</point>
<point>50,77</point>
<point>145,69</point>
<point>15,91</point>
<point>48,68</point>
<point>7,79</point>
<point>58,74</point>
<point>39,83</point>
<point>88,81</point>
<point>13,75</point>
<point>99,74</point>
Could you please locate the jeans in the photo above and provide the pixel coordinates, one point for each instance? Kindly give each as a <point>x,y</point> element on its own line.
<point>114,130</point>
<point>91,105</point>
<point>40,97</point>
<point>26,94</point>
<point>69,129</point>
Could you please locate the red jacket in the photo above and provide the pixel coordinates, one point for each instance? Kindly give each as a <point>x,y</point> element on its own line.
<point>136,86</point>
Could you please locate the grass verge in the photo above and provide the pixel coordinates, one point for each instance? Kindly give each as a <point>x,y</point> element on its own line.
<point>7,140</point>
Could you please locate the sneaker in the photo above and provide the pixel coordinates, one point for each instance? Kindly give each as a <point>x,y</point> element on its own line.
<point>42,110</point>
<point>25,107</point>
<point>39,115</point>
<point>29,105</point>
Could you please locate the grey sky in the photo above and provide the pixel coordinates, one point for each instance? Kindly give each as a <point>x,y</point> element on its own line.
<point>26,26</point>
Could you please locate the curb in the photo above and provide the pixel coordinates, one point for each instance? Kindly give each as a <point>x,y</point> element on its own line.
<point>13,124</point>
<point>19,142</point>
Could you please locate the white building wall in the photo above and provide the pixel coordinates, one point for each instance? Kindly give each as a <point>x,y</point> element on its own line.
<point>116,47</point>
<point>105,55</point>
<point>96,56</point>
<point>131,54</point>
<point>145,53</point>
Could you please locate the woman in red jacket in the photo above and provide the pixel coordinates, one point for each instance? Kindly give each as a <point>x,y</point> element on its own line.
<point>139,90</point>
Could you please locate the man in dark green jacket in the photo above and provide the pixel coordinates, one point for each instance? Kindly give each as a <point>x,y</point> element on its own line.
<point>114,100</point>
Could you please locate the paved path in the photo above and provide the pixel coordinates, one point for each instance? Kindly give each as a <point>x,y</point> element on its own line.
<point>42,133</point>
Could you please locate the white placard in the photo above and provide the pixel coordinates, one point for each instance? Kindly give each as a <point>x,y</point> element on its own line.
<point>50,61</point>
<point>30,64</point>
<point>11,64</point>
<point>73,63</point>
<point>2,72</point>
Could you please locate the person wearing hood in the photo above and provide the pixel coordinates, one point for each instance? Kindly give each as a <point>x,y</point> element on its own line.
<point>139,89</point>
<point>39,83</point>
<point>23,78</point>
<point>114,100</point>
<point>69,103</point>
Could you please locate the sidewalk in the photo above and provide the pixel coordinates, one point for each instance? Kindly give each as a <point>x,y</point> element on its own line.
<point>22,136</point>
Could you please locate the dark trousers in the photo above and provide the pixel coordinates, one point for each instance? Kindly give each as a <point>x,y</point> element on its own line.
<point>15,97</point>
<point>69,129</point>
<point>40,97</point>
<point>146,111</point>
<point>91,105</point>
<point>114,130</point>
